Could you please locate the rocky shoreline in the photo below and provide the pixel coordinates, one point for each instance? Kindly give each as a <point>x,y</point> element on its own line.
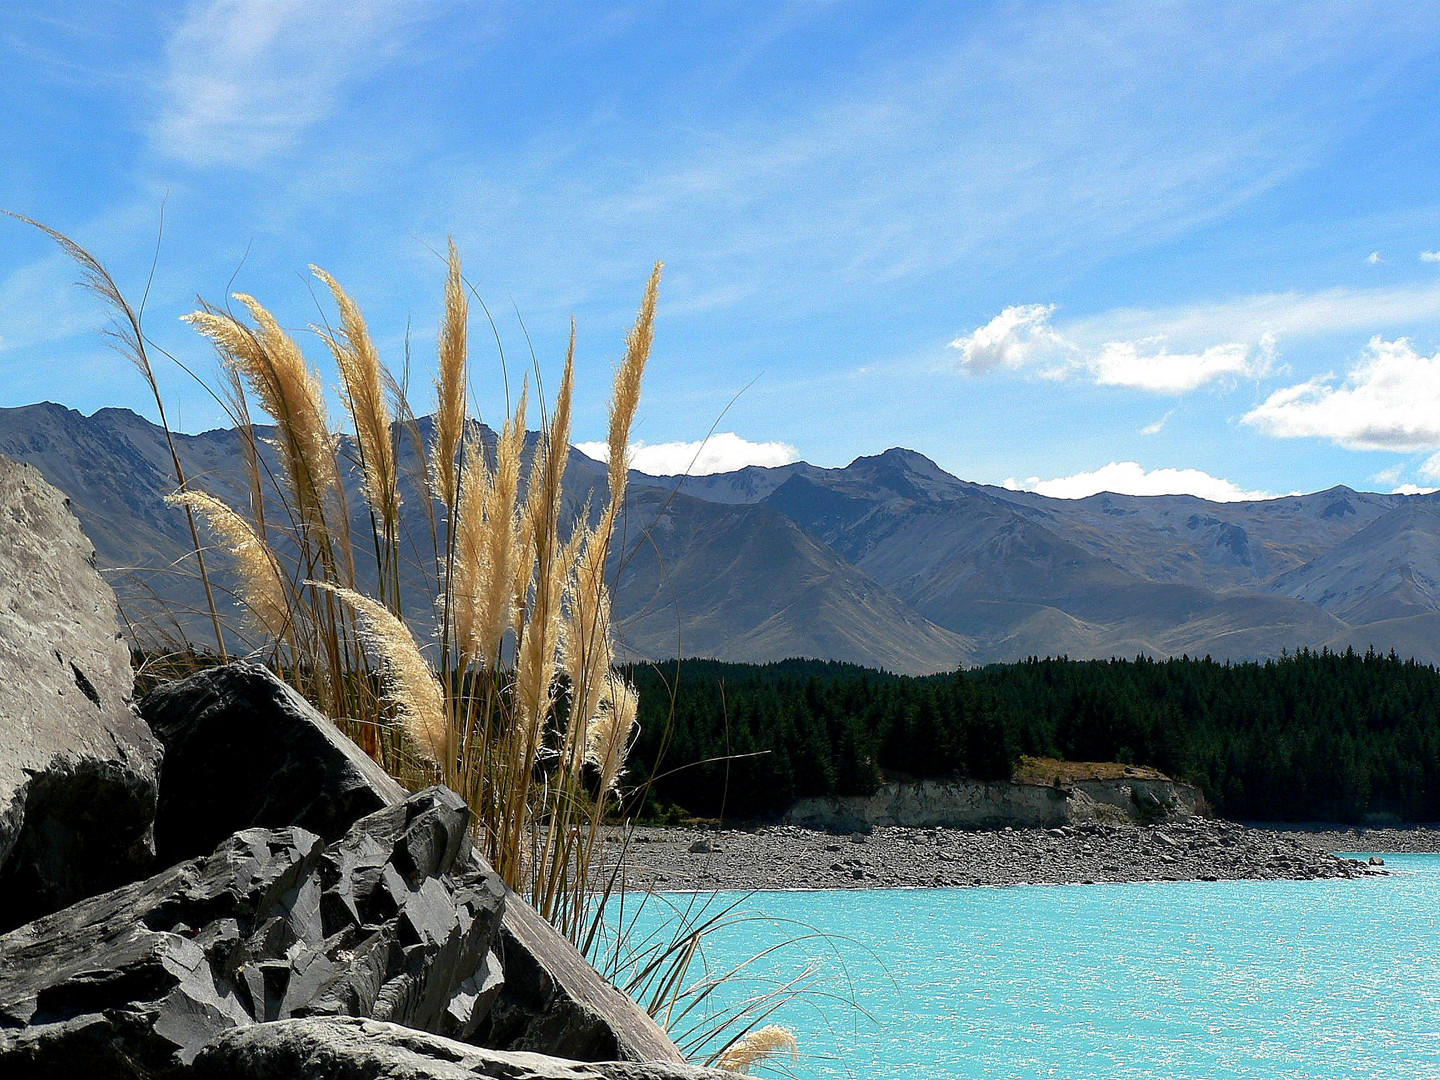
<point>780,857</point>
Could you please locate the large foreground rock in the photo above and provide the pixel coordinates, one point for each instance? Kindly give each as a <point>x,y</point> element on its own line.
<point>392,921</point>
<point>77,767</point>
<point>349,1049</point>
<point>242,749</point>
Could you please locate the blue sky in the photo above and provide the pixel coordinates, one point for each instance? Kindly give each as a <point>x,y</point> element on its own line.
<point>1134,246</point>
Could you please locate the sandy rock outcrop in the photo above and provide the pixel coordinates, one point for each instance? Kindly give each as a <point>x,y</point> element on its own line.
<point>980,804</point>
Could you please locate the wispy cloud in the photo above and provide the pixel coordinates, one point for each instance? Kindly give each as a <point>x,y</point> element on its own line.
<point>1282,314</point>
<point>1157,426</point>
<point>1389,400</point>
<point>245,79</point>
<point>1430,256</point>
<point>40,303</point>
<point>1132,478</point>
<point>1374,258</point>
<point>982,145</point>
<point>722,452</point>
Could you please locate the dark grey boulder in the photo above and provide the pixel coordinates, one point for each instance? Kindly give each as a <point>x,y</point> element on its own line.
<point>77,767</point>
<point>392,921</point>
<point>351,1049</point>
<point>244,750</point>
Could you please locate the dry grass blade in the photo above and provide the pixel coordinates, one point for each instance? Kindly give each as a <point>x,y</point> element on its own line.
<point>129,337</point>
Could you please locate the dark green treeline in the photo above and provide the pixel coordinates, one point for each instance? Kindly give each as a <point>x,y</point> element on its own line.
<point>1314,736</point>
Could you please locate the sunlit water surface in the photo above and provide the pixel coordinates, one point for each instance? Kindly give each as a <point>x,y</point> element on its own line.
<point>1209,980</point>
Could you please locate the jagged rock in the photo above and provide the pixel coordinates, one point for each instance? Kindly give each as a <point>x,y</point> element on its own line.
<point>244,750</point>
<point>77,767</point>
<point>350,1049</point>
<point>392,921</point>
<point>238,727</point>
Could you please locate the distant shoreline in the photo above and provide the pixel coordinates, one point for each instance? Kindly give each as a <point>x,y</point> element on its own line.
<point>783,857</point>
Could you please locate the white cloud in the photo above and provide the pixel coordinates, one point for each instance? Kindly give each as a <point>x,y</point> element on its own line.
<point>722,452</point>
<point>1390,400</point>
<point>1374,258</point>
<point>1132,478</point>
<point>1022,336</point>
<point>1128,363</point>
<point>1412,489</point>
<point>246,78</point>
<point>1430,256</point>
<point>1018,337</point>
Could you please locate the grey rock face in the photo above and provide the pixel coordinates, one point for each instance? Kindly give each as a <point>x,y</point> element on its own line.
<point>351,1049</point>
<point>244,750</point>
<point>392,921</point>
<point>77,767</point>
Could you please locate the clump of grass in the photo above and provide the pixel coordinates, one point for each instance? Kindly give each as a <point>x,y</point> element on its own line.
<point>514,701</point>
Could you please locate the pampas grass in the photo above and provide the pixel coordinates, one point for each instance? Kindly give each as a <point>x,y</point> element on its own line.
<point>509,696</point>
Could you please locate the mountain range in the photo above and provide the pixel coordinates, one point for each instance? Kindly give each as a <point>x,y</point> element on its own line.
<point>889,562</point>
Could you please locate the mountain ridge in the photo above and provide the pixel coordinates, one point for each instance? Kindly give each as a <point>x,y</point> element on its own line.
<point>889,561</point>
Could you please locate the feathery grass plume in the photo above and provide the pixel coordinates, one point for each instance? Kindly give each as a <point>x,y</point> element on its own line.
<point>410,686</point>
<point>450,388</point>
<point>608,734</point>
<point>495,550</point>
<point>625,398</point>
<point>262,586</point>
<point>470,571</point>
<point>535,667</point>
<point>364,386</point>
<point>289,391</point>
<point>761,1043</point>
<point>239,408</point>
<point>586,646</point>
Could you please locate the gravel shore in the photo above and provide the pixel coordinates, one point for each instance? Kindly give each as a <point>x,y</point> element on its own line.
<point>787,857</point>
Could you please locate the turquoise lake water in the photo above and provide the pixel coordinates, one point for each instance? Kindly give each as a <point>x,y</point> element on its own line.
<point>1211,980</point>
